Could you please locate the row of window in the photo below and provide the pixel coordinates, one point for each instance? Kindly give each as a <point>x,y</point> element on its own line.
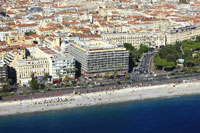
<point>41,62</point>
<point>28,75</point>
<point>21,68</point>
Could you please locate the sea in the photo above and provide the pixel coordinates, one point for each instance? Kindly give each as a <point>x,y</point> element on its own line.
<point>167,115</point>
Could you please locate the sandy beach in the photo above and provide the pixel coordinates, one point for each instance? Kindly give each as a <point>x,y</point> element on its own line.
<point>98,98</point>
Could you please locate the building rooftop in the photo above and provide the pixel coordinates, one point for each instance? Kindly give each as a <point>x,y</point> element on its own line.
<point>30,61</point>
<point>97,46</point>
<point>62,56</point>
<point>47,50</point>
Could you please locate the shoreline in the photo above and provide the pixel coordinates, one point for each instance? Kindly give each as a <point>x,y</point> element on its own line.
<point>70,101</point>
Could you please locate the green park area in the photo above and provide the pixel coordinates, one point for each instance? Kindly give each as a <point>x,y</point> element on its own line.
<point>168,58</point>
<point>135,54</point>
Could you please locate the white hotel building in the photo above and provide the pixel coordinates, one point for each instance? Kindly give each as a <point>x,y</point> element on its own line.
<point>98,57</point>
<point>60,65</point>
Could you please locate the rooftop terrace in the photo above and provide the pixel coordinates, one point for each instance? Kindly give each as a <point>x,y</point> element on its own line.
<point>97,46</point>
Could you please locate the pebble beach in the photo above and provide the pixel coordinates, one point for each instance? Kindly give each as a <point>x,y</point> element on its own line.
<point>97,98</point>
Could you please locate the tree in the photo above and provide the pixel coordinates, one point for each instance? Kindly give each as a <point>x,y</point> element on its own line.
<point>67,79</point>
<point>67,72</point>
<point>170,53</point>
<point>29,33</point>
<point>134,53</point>
<point>127,76</point>
<point>187,52</point>
<point>128,46</point>
<point>107,75</point>
<point>45,77</point>
<point>190,62</point>
<point>160,63</point>
<point>171,58</point>
<point>197,39</point>
<point>178,67</point>
<point>135,56</point>
<point>170,65</point>
<point>115,74</point>
<point>7,88</point>
<point>121,68</point>
<point>183,1</point>
<point>34,83</point>
<point>143,49</point>
<point>60,76</point>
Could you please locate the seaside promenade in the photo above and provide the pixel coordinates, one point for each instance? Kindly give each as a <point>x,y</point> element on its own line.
<point>97,98</point>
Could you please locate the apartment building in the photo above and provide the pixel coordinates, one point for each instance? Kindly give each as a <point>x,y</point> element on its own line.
<point>182,33</point>
<point>3,73</point>
<point>22,28</point>
<point>25,67</point>
<point>60,64</point>
<point>4,33</point>
<point>98,57</point>
<point>9,54</point>
<point>149,39</point>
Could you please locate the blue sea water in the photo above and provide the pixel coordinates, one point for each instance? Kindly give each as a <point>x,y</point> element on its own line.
<point>171,115</point>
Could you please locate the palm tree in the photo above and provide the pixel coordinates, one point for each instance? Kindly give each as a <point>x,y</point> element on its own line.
<point>107,75</point>
<point>127,75</point>
<point>67,78</point>
<point>6,85</point>
<point>60,76</point>
<point>115,74</point>
<point>45,77</point>
<point>34,83</point>
<point>121,68</point>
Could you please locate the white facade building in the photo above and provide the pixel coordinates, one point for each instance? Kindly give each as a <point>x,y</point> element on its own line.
<point>63,65</point>
<point>60,65</point>
<point>149,39</point>
<point>4,34</point>
<point>22,28</point>
<point>26,67</point>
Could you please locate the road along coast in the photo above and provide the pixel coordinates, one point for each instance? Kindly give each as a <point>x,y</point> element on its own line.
<point>105,97</point>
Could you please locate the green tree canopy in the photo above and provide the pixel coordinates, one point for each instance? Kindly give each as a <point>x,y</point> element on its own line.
<point>115,74</point>
<point>7,88</point>
<point>107,75</point>
<point>160,62</point>
<point>143,49</point>
<point>127,75</point>
<point>170,65</point>
<point>183,1</point>
<point>34,83</point>
<point>45,77</point>
<point>128,46</point>
<point>135,54</point>
<point>29,33</point>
